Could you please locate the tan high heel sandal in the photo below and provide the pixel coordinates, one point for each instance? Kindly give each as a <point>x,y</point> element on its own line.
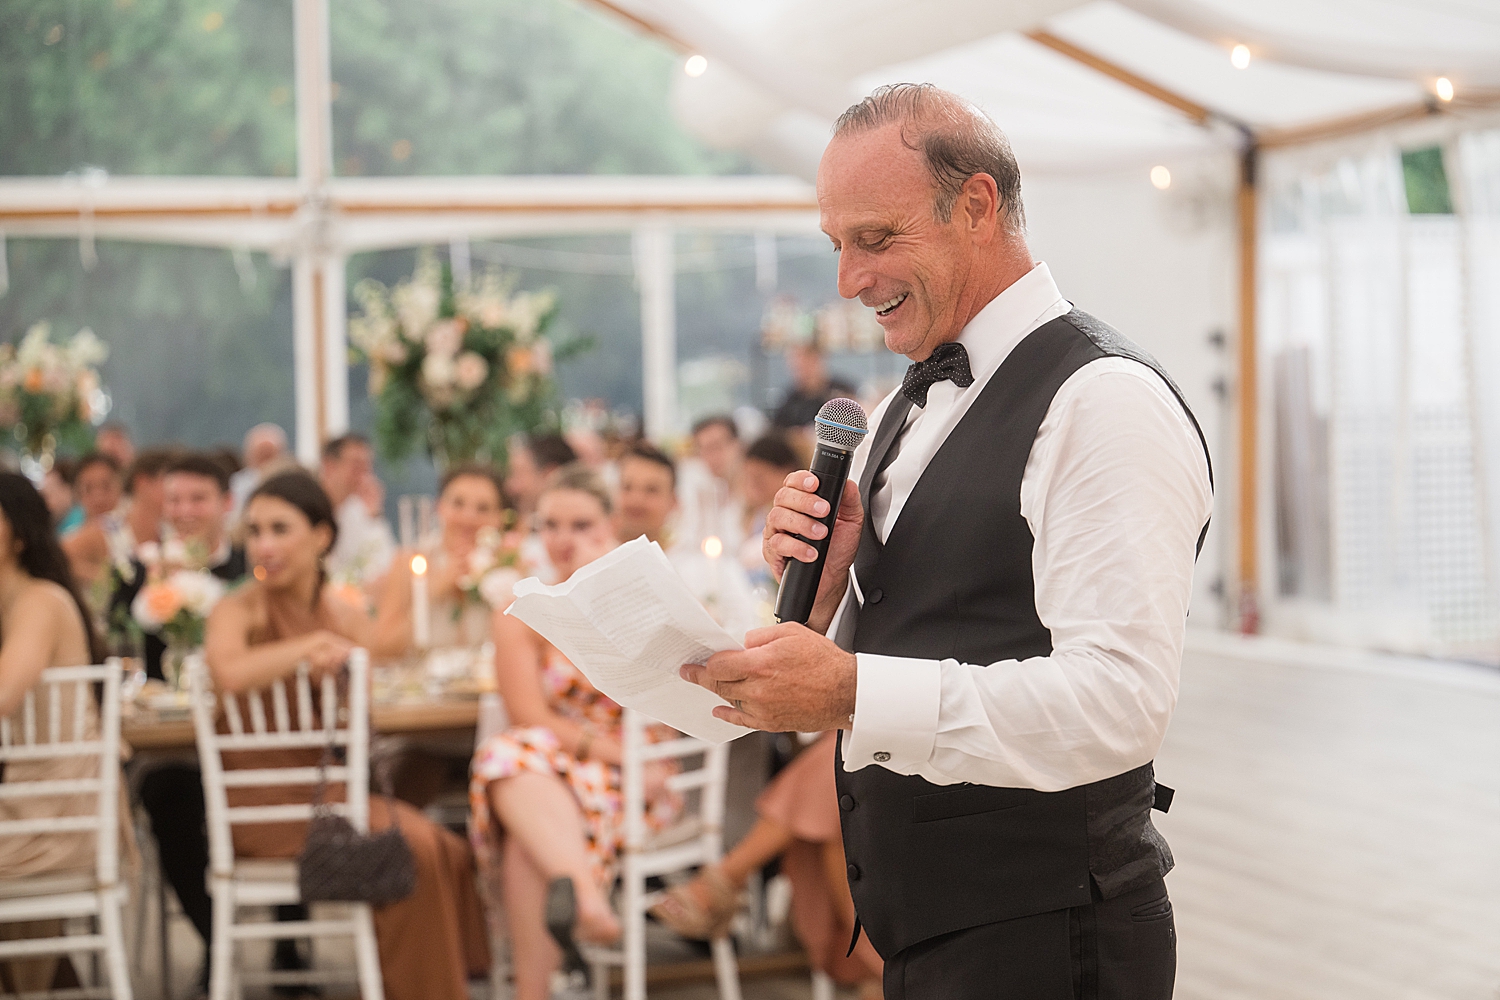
<point>684,910</point>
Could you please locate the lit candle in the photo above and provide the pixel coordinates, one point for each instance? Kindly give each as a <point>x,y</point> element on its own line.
<point>421,611</point>
<point>714,548</point>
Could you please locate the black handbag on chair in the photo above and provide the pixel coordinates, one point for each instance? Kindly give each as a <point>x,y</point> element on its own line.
<point>341,865</point>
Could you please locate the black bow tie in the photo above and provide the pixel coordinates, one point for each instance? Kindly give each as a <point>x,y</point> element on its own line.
<point>948,361</point>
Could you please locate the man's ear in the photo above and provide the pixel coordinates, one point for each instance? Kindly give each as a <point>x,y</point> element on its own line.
<point>979,201</point>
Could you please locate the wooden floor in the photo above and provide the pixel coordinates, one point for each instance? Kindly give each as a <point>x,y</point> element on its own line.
<point>1336,827</point>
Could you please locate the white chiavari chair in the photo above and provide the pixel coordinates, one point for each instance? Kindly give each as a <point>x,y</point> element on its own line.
<point>67,693</point>
<point>696,839</point>
<point>294,721</point>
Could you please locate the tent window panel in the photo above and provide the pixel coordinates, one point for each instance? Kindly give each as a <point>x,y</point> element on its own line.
<point>1426,182</point>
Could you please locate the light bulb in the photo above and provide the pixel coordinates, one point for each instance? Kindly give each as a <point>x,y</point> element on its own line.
<point>695,66</point>
<point>1239,57</point>
<point>419,564</point>
<point>712,547</point>
<point>1161,178</point>
<point>1444,88</point>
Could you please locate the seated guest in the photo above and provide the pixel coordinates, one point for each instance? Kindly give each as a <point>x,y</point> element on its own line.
<point>57,491</point>
<point>102,536</point>
<point>531,460</point>
<point>264,451</point>
<point>113,439</point>
<point>43,623</point>
<point>546,793</point>
<point>811,387</point>
<point>144,494</point>
<point>469,501</point>
<point>767,464</point>
<point>648,482</point>
<point>195,509</point>
<point>432,941</point>
<point>708,490</point>
<point>799,823</point>
<point>366,545</point>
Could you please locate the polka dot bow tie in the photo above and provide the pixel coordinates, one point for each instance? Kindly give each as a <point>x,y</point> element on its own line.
<point>947,362</point>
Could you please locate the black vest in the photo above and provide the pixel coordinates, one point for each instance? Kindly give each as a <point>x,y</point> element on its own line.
<point>953,579</point>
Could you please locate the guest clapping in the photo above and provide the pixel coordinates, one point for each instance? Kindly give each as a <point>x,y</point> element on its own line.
<point>433,940</point>
<point>469,505</point>
<point>546,800</point>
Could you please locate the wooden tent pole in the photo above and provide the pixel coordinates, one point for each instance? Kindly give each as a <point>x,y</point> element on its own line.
<point>1248,396</point>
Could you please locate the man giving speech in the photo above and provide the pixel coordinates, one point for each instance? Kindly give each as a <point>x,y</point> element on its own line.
<point>999,624</point>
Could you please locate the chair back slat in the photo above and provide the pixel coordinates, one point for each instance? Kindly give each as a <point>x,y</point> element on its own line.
<point>50,741</point>
<point>304,700</point>
<point>81,696</point>
<point>232,714</point>
<point>257,713</point>
<point>279,707</point>
<point>54,721</point>
<point>351,730</point>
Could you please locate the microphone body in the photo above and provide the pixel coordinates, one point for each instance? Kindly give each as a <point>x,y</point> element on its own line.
<point>841,424</point>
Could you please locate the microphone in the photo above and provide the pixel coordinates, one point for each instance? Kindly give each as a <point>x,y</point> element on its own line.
<point>841,426</point>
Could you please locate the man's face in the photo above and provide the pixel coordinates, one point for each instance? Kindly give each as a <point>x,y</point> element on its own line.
<point>807,368</point>
<point>875,200</point>
<point>261,450</point>
<point>194,506</point>
<point>116,445</point>
<point>523,480</point>
<point>98,489</point>
<point>342,475</point>
<point>646,498</point>
<point>719,449</point>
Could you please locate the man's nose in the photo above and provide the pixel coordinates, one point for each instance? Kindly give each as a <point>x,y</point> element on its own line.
<point>854,276</point>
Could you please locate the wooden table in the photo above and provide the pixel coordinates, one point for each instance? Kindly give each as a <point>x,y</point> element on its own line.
<point>144,732</point>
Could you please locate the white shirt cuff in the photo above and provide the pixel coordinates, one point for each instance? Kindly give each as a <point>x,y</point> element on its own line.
<point>896,702</point>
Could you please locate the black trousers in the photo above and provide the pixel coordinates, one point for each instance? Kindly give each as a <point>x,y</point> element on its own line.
<point>1117,949</point>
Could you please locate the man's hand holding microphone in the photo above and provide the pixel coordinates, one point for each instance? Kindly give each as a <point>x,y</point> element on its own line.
<point>791,677</point>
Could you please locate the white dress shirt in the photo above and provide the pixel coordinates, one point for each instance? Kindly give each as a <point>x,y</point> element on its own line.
<point>1116,492</point>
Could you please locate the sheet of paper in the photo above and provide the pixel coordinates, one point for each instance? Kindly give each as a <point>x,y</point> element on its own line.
<point>629,623</point>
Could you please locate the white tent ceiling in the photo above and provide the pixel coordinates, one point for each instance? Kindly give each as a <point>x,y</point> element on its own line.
<point>779,72</point>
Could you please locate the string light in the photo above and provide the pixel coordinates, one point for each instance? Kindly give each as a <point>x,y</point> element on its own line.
<point>1239,56</point>
<point>1161,177</point>
<point>695,66</point>
<point>1444,88</point>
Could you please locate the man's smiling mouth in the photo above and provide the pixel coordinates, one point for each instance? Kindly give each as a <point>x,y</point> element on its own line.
<point>886,308</point>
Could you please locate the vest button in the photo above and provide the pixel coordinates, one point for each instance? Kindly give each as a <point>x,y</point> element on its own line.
<point>882,757</point>
<point>854,873</point>
<point>875,596</point>
<point>846,802</point>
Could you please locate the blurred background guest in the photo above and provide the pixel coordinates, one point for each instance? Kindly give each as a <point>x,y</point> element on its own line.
<point>545,794</point>
<point>708,490</point>
<point>365,543</point>
<point>265,450</point>
<point>90,547</point>
<point>647,498</point>
<point>811,387</point>
<point>593,451</point>
<point>430,942</point>
<point>43,623</point>
<point>195,512</point>
<point>768,461</point>
<point>469,502</point>
<point>57,491</point>
<point>114,440</point>
<point>144,494</point>
<point>531,460</point>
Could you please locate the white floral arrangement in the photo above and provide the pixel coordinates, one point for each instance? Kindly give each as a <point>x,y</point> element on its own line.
<point>472,364</point>
<point>178,594</point>
<point>50,393</point>
<point>494,568</point>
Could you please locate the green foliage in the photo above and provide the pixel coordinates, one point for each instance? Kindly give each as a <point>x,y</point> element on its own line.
<point>1426,182</point>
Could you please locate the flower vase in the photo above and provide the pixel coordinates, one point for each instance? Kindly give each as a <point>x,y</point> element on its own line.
<point>174,665</point>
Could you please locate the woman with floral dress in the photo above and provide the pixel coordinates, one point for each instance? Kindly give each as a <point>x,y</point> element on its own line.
<point>547,805</point>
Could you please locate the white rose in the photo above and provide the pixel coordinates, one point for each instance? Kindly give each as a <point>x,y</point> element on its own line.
<point>438,370</point>
<point>148,553</point>
<point>174,551</point>
<point>498,587</point>
<point>470,371</point>
<point>445,338</point>
<point>200,590</point>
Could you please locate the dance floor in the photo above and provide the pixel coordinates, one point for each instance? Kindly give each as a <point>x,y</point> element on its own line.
<point>1336,827</point>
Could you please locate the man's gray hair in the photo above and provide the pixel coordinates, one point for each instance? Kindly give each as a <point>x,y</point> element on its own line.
<point>956,138</point>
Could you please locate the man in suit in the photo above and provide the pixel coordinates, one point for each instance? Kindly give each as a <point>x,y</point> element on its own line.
<point>999,625</point>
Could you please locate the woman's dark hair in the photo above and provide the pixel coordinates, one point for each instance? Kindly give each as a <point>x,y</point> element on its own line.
<point>41,556</point>
<point>476,470</point>
<point>303,492</point>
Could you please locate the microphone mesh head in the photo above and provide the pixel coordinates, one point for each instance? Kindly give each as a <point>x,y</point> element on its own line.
<point>842,423</point>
